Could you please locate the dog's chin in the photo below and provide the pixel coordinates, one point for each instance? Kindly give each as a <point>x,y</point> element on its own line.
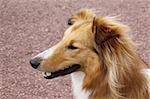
<point>62,72</point>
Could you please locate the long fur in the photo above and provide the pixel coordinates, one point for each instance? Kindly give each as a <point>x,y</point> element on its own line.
<point>119,75</point>
<point>105,54</point>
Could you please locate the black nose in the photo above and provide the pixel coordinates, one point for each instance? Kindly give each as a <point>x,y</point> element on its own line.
<point>35,63</point>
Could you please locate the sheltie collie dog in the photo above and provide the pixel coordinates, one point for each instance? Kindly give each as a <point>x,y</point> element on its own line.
<point>100,57</point>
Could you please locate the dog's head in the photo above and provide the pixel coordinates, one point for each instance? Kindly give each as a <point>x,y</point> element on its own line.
<point>80,48</point>
<point>98,47</point>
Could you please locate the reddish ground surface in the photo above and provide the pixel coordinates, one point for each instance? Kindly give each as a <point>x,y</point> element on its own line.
<point>30,26</point>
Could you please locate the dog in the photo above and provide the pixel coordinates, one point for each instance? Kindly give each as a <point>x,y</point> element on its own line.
<point>100,57</point>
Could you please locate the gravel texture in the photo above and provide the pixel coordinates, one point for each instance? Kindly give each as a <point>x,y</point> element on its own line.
<point>30,26</point>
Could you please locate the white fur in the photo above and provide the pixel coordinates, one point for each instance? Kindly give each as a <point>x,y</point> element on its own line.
<point>77,81</point>
<point>47,53</point>
<point>147,72</point>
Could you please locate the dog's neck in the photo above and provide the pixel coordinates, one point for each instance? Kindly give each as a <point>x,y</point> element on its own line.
<point>77,82</point>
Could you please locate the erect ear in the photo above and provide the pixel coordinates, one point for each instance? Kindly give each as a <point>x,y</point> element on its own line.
<point>106,29</point>
<point>81,15</point>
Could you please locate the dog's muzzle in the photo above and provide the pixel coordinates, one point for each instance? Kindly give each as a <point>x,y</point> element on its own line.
<point>35,63</point>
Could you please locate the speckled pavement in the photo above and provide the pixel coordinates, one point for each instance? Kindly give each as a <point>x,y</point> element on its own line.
<point>28,27</point>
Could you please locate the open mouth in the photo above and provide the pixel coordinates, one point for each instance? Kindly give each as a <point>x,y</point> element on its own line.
<point>63,72</point>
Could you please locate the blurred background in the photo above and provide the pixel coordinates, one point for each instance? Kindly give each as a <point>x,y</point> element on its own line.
<point>28,27</point>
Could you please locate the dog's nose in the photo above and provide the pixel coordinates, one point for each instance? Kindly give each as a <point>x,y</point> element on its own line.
<point>35,63</point>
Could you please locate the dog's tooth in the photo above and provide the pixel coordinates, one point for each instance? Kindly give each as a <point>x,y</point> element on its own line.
<point>48,74</point>
<point>45,74</point>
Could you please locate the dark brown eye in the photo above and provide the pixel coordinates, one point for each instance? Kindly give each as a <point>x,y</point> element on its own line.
<point>72,47</point>
<point>69,22</point>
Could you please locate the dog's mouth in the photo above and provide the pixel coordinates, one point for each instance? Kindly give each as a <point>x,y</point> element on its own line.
<point>63,72</point>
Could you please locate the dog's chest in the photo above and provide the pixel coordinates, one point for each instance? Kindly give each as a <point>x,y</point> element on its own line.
<point>77,81</point>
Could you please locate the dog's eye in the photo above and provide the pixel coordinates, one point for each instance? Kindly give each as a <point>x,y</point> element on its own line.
<point>72,47</point>
<point>69,22</point>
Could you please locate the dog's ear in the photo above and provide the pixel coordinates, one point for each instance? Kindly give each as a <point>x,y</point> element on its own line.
<point>81,15</point>
<point>106,29</point>
<point>118,58</point>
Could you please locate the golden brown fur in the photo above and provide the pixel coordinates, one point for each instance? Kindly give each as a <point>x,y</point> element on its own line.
<point>106,55</point>
<point>117,75</point>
